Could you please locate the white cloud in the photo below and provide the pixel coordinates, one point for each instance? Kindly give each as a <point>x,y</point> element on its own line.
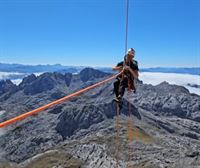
<point>12,76</point>
<point>6,75</point>
<point>155,78</point>
<point>16,81</point>
<point>17,75</point>
<point>38,73</point>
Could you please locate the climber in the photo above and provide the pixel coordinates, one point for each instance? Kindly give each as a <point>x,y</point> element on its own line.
<point>130,69</point>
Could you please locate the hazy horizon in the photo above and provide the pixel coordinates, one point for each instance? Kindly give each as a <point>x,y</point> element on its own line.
<point>93,65</point>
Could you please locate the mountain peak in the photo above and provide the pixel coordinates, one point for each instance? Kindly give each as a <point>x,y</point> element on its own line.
<point>6,86</point>
<point>166,87</point>
<point>47,81</point>
<point>90,73</point>
<point>27,80</point>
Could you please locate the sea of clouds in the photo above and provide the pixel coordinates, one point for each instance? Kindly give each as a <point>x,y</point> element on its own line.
<point>15,77</point>
<point>155,78</point>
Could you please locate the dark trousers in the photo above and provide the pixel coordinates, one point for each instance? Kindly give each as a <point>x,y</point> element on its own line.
<point>116,87</point>
<point>121,84</point>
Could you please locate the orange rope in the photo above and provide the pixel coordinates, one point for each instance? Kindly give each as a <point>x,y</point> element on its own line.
<point>117,138</point>
<point>23,116</point>
<point>130,131</point>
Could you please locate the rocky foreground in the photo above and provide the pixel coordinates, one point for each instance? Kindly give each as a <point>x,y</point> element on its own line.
<point>164,127</point>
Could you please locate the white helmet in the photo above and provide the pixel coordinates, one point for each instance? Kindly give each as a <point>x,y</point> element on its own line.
<point>131,51</point>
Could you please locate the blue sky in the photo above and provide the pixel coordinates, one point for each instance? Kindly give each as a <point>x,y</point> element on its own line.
<point>165,33</point>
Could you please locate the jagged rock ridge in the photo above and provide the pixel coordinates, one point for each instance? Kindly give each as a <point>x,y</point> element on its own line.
<point>165,117</point>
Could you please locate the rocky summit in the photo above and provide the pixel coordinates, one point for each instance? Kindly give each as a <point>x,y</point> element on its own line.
<point>157,127</point>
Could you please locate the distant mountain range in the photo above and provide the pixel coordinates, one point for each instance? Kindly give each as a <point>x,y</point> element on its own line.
<point>38,68</point>
<point>193,71</point>
<point>76,69</point>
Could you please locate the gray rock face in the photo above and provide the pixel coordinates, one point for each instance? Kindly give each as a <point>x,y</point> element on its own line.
<point>172,106</point>
<point>82,117</point>
<point>29,138</point>
<point>196,116</point>
<point>7,86</point>
<point>62,77</point>
<point>90,74</point>
<point>68,78</point>
<point>57,95</point>
<point>45,82</point>
<point>39,86</point>
<point>165,123</point>
<point>169,100</point>
<point>27,80</point>
<point>167,88</point>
